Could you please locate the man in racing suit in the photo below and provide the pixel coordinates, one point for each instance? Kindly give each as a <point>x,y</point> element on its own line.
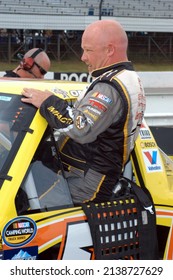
<point>99,132</point>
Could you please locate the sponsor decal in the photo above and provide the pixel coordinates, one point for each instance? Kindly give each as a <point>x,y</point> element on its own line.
<point>5,98</point>
<point>27,253</point>
<point>102,97</point>
<point>19,231</point>
<point>94,110</point>
<point>90,121</point>
<point>60,91</point>
<point>141,103</point>
<point>144,132</point>
<point>80,122</point>
<point>76,93</point>
<point>94,117</point>
<point>148,144</point>
<point>59,116</point>
<point>65,94</point>
<point>139,116</point>
<point>152,160</point>
<point>98,105</point>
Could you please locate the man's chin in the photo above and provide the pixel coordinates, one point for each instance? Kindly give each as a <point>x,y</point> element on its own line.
<point>89,69</point>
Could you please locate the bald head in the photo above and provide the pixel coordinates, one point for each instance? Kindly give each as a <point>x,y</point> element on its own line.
<point>108,32</point>
<point>41,58</point>
<point>37,69</point>
<point>106,38</point>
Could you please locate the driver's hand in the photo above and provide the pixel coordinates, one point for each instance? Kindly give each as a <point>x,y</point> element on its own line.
<point>35,96</point>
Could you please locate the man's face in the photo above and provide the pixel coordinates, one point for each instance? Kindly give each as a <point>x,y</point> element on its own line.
<point>94,52</point>
<point>36,71</point>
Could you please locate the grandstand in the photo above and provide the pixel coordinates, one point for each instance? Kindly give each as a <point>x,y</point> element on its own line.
<point>30,17</point>
<point>127,8</point>
<point>154,15</point>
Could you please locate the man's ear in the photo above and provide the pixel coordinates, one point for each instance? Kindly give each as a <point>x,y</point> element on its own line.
<point>111,49</point>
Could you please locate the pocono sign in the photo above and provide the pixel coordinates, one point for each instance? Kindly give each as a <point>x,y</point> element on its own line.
<point>76,77</point>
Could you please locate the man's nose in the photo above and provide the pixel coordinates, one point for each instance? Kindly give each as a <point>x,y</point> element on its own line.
<point>83,57</point>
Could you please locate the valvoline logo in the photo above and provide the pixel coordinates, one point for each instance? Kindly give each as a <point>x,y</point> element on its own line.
<point>151,157</point>
<point>152,160</point>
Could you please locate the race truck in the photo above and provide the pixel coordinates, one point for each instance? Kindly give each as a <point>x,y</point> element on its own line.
<point>37,221</point>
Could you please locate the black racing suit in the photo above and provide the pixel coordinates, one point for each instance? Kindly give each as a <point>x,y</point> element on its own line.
<point>11,74</point>
<point>99,131</point>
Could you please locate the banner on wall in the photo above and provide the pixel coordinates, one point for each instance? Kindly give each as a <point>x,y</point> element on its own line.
<point>70,76</point>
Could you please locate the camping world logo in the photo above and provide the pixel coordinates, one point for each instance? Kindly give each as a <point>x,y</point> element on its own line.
<point>152,160</point>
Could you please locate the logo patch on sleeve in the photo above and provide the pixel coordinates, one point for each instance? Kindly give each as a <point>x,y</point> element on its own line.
<point>103,97</point>
<point>80,122</point>
<point>98,105</point>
